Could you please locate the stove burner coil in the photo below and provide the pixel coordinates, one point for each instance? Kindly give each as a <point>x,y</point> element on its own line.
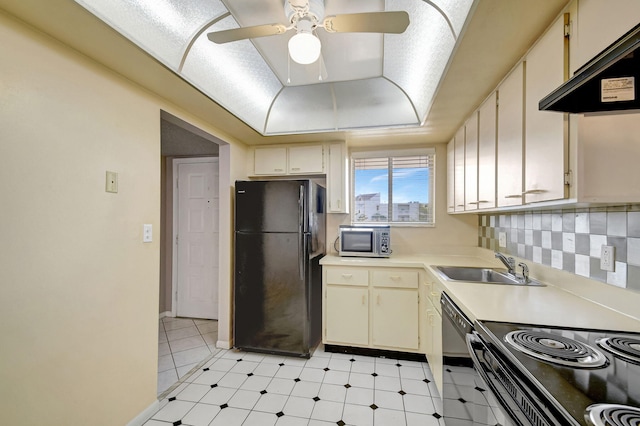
<point>612,415</point>
<point>556,349</point>
<point>625,348</point>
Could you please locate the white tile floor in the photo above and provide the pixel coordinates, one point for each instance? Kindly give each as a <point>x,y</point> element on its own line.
<point>182,344</point>
<point>239,388</point>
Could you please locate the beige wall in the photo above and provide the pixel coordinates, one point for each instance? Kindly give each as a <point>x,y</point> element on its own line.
<point>450,230</point>
<point>79,306</point>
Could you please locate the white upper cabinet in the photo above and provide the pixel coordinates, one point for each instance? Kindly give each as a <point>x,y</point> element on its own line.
<point>544,158</point>
<point>306,159</point>
<point>270,161</point>
<point>487,133</point>
<point>600,23</point>
<point>451,201</point>
<point>458,180</point>
<point>510,135</point>
<point>471,163</point>
<point>288,160</point>
<point>337,178</point>
<point>546,139</point>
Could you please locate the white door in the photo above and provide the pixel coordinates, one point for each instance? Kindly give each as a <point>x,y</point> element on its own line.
<point>197,239</point>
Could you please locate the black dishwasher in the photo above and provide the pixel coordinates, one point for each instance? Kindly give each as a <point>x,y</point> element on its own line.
<point>466,399</point>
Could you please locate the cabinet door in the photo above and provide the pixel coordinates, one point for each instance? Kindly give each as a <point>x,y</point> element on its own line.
<point>435,362</point>
<point>306,159</point>
<point>471,163</point>
<point>270,161</point>
<point>451,202</point>
<point>395,318</point>
<point>600,23</point>
<point>545,142</point>
<point>487,133</point>
<point>459,170</point>
<point>347,315</point>
<point>510,132</point>
<point>337,179</point>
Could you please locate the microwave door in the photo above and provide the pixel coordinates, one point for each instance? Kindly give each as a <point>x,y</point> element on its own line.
<point>357,242</point>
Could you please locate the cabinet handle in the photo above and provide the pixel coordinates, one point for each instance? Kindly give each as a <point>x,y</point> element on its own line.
<point>278,170</point>
<point>395,277</point>
<point>451,207</point>
<point>364,300</point>
<point>460,205</point>
<point>338,203</point>
<point>434,294</point>
<point>473,202</point>
<point>534,191</point>
<point>513,196</point>
<point>483,201</point>
<point>347,276</point>
<point>295,168</point>
<point>378,300</point>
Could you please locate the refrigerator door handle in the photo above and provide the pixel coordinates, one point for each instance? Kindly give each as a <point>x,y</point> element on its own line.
<point>301,236</point>
<point>301,209</point>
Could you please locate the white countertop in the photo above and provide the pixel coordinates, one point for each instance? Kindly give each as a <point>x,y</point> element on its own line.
<point>548,305</point>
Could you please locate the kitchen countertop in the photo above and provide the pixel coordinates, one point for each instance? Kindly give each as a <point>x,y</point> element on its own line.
<point>548,305</point>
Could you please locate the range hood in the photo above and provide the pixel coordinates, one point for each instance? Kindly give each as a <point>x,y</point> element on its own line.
<point>609,82</point>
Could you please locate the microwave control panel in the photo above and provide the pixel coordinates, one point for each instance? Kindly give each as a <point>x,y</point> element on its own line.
<point>384,243</point>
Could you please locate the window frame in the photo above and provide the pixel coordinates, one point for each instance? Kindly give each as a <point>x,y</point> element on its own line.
<point>355,155</point>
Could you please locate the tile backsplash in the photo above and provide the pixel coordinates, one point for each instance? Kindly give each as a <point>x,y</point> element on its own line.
<point>571,240</point>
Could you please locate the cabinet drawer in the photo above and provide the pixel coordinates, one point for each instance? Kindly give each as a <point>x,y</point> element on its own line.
<point>395,278</point>
<point>348,276</point>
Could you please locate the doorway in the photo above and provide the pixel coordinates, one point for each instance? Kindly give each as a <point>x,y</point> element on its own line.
<point>187,336</point>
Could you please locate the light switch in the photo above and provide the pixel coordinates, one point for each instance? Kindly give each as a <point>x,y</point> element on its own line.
<point>147,233</point>
<point>112,182</point>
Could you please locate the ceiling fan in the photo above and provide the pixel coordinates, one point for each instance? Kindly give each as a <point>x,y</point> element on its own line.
<point>305,16</point>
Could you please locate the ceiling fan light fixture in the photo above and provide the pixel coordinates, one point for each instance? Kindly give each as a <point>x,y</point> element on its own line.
<point>304,47</point>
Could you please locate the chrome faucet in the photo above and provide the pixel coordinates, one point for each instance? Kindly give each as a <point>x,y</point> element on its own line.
<point>524,279</point>
<point>509,262</point>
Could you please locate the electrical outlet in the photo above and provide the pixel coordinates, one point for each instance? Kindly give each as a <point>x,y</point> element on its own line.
<point>607,258</point>
<point>147,233</point>
<point>502,239</point>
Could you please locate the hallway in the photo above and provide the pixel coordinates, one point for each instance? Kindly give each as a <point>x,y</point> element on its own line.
<point>182,344</point>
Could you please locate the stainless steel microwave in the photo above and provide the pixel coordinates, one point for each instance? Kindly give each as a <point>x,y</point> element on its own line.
<point>365,241</point>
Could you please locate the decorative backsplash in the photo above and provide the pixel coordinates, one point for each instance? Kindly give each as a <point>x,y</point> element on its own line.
<point>571,240</point>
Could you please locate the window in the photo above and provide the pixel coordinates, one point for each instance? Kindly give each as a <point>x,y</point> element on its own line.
<point>393,187</point>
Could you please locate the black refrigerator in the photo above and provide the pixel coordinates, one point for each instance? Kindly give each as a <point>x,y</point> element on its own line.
<point>279,241</point>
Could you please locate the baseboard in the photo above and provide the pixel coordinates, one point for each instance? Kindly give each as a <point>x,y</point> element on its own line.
<point>223,344</point>
<point>165,314</point>
<point>377,353</point>
<point>145,414</point>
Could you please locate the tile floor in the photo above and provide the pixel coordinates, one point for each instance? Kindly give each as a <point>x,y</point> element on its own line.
<point>239,388</point>
<point>182,344</point>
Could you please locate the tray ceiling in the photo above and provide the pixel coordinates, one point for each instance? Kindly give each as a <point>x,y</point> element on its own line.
<point>361,81</point>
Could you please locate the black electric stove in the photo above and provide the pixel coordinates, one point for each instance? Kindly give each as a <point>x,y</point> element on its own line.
<point>576,376</point>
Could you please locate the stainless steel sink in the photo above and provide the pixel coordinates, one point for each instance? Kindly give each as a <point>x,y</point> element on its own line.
<point>480,275</point>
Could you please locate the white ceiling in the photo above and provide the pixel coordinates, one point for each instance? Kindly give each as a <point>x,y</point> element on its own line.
<point>497,35</point>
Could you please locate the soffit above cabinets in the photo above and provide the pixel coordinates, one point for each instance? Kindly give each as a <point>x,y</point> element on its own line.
<point>362,80</point>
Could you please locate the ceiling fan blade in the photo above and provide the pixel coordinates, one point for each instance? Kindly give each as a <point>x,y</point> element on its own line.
<point>394,22</point>
<point>236,34</point>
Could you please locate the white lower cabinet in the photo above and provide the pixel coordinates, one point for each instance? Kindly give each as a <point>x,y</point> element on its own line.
<point>347,314</point>
<point>430,291</point>
<point>395,318</point>
<point>371,307</point>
